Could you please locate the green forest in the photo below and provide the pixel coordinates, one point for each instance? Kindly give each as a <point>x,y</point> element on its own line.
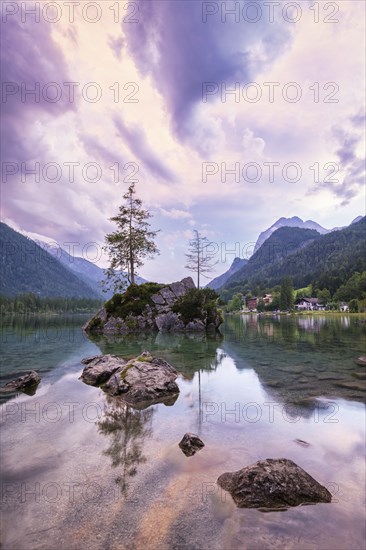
<point>330,267</point>
<point>31,303</point>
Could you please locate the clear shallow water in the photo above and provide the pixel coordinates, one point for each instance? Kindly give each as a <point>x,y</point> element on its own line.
<point>80,469</point>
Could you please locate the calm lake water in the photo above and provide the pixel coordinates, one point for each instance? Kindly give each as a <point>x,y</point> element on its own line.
<point>82,470</point>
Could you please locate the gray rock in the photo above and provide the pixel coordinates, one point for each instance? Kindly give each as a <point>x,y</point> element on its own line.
<point>169,322</point>
<point>27,383</point>
<point>190,444</point>
<point>141,381</point>
<point>167,294</point>
<point>361,361</point>
<point>197,324</point>
<point>158,299</point>
<point>100,368</point>
<point>273,484</point>
<point>180,287</point>
<point>149,379</point>
<point>101,315</point>
<point>115,325</point>
<point>115,385</point>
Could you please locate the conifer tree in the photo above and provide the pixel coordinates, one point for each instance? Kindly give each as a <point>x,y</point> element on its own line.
<point>131,243</point>
<point>286,294</point>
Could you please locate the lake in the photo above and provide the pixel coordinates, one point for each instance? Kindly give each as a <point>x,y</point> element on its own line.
<point>83,470</point>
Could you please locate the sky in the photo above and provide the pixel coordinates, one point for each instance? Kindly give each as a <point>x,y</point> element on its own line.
<point>227,115</point>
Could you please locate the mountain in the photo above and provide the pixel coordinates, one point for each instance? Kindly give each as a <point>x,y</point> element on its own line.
<point>220,281</point>
<point>27,267</point>
<point>289,222</point>
<point>274,251</point>
<point>89,272</point>
<point>308,257</point>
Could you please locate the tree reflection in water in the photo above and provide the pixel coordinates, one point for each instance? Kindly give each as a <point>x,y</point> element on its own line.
<point>127,429</point>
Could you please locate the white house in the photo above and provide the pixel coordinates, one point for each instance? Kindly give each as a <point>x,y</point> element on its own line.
<point>309,304</point>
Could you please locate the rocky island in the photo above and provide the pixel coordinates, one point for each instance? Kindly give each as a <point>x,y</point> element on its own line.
<point>176,307</point>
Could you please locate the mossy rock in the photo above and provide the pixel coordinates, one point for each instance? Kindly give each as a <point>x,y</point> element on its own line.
<point>95,324</point>
<point>126,369</point>
<point>197,304</point>
<point>133,301</point>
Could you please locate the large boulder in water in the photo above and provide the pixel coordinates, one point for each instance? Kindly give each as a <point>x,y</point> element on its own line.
<point>141,381</point>
<point>274,483</point>
<point>100,368</point>
<point>27,383</point>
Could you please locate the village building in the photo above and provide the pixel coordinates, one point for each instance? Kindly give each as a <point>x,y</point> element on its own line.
<point>309,304</point>
<point>252,303</point>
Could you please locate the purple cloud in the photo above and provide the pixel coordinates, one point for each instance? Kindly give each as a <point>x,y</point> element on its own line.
<point>349,161</point>
<point>135,138</point>
<point>96,150</point>
<point>26,66</point>
<point>117,45</point>
<point>181,51</point>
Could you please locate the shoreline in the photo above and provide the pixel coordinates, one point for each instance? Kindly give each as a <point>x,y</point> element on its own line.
<point>296,313</point>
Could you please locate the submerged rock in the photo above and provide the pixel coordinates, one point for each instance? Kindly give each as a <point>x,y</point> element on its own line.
<point>190,444</point>
<point>27,383</point>
<point>359,385</point>
<point>141,381</point>
<point>302,443</point>
<point>361,361</point>
<point>273,484</point>
<point>100,368</point>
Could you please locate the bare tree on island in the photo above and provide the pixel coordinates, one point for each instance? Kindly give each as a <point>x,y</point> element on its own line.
<point>200,258</point>
<point>131,243</point>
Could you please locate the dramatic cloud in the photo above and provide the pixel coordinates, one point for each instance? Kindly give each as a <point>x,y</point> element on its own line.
<point>135,138</point>
<point>351,161</point>
<point>25,67</point>
<point>170,131</point>
<point>182,49</point>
